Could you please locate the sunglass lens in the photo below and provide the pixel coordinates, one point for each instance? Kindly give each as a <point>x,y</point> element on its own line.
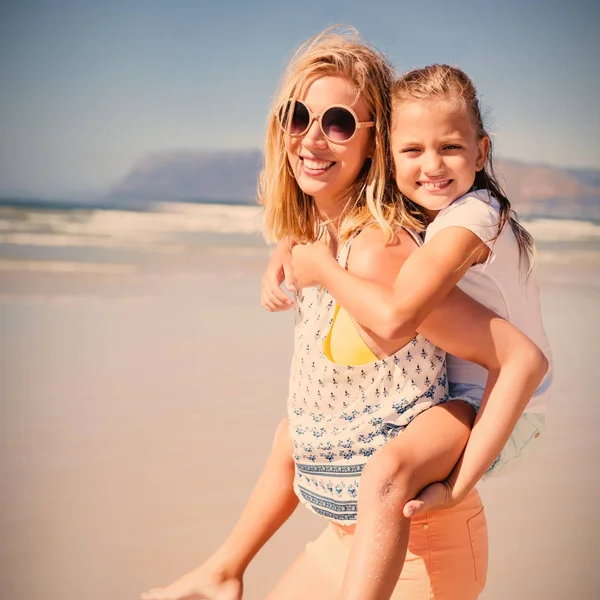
<point>339,124</point>
<point>300,119</point>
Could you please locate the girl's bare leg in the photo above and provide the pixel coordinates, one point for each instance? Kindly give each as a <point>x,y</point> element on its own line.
<point>426,451</point>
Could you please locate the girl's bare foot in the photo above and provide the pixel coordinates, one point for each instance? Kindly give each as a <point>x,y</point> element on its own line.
<point>202,583</point>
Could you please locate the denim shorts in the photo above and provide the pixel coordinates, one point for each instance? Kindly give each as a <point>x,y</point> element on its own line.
<point>523,439</point>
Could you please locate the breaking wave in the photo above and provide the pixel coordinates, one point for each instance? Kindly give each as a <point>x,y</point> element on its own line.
<point>171,223</point>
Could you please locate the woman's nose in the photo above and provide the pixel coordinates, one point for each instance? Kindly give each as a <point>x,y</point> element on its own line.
<point>314,136</point>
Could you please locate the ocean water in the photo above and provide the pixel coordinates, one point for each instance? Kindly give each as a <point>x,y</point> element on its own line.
<point>170,235</point>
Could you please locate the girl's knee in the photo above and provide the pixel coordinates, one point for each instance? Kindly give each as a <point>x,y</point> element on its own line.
<point>388,477</point>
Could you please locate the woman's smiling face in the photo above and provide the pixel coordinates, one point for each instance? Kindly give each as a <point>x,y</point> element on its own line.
<point>324,169</point>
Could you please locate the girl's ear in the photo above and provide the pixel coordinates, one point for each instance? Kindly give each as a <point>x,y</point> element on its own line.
<point>483,148</point>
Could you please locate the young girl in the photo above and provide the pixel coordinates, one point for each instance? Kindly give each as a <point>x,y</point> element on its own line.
<point>326,177</point>
<point>443,166</point>
<point>443,169</point>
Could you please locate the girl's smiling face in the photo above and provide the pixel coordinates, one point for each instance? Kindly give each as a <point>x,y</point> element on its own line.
<point>436,152</point>
<point>323,169</point>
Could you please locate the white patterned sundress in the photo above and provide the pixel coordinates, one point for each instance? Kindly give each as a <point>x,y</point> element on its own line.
<point>340,415</point>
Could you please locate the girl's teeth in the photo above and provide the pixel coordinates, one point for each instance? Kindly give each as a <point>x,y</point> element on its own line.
<point>435,184</point>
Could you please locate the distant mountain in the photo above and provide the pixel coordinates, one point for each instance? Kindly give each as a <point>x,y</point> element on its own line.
<point>550,191</point>
<point>586,176</point>
<point>230,176</point>
<point>221,176</point>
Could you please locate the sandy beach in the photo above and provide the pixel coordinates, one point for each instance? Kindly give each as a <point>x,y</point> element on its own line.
<point>139,403</point>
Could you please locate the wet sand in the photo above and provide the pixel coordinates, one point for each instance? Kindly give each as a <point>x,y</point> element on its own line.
<point>139,406</point>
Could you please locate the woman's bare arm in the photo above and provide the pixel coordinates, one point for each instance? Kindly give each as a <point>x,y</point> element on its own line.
<point>270,505</point>
<point>279,269</point>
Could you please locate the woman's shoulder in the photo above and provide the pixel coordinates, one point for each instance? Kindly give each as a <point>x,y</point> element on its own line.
<point>373,239</point>
<point>374,256</point>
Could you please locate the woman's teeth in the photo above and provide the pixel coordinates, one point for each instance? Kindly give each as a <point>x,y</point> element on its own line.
<point>316,165</point>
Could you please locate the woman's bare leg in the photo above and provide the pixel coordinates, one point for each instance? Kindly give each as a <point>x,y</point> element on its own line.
<point>304,580</point>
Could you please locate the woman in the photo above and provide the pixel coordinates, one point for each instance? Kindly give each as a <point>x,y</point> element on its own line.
<point>327,174</point>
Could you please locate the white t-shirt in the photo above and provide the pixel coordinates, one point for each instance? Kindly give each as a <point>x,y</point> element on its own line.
<point>501,284</point>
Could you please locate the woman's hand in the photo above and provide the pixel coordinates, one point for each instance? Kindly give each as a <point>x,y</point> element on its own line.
<point>279,269</point>
<point>203,583</point>
<point>308,262</point>
<point>436,496</point>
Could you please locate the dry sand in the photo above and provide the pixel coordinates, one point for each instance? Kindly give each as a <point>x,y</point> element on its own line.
<point>138,408</point>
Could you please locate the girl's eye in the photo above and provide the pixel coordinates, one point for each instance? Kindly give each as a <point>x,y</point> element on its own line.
<point>408,150</point>
<point>452,147</point>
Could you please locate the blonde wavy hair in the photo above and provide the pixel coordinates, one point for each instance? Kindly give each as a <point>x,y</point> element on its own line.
<point>374,199</point>
<point>444,82</point>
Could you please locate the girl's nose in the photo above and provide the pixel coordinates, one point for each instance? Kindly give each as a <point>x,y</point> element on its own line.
<point>432,163</point>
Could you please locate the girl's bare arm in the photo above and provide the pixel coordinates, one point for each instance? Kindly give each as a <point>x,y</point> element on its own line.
<point>467,329</point>
<point>396,308</point>
<point>471,331</point>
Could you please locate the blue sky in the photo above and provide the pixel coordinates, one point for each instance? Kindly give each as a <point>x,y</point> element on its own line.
<point>89,87</point>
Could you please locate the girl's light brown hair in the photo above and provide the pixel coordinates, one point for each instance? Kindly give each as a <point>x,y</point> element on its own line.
<point>446,82</point>
<point>373,197</point>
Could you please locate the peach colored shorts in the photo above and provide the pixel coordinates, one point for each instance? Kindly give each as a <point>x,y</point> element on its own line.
<point>446,560</point>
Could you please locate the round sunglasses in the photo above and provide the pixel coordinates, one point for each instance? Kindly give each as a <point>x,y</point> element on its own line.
<point>338,123</point>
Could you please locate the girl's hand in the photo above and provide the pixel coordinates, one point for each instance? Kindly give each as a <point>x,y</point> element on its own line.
<point>307,261</point>
<point>203,583</point>
<point>436,496</point>
<point>279,269</point>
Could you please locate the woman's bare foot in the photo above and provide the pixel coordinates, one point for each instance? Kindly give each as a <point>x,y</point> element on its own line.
<point>203,583</point>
